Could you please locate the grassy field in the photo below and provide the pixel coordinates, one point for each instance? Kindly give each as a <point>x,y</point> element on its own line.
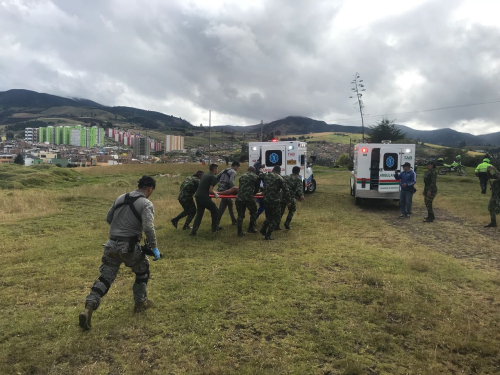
<point>349,290</point>
<point>328,137</point>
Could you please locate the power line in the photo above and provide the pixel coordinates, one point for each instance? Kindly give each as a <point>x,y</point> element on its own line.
<point>420,111</point>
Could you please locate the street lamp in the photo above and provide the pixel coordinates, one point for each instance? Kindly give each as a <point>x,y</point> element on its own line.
<point>357,87</point>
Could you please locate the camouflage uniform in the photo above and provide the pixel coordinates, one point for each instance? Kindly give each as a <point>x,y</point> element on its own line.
<point>185,198</point>
<point>248,186</point>
<point>430,178</point>
<point>275,189</point>
<point>296,188</point>
<point>123,247</point>
<point>494,205</point>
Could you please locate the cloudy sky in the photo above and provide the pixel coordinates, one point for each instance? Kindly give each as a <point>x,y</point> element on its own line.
<point>263,59</point>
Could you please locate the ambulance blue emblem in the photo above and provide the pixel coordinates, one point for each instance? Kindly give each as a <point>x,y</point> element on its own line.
<point>389,162</point>
<point>273,158</point>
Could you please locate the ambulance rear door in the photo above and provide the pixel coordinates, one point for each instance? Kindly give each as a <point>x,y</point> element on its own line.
<point>274,155</point>
<point>390,161</point>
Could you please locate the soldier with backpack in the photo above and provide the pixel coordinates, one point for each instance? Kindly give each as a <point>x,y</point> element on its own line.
<point>129,216</point>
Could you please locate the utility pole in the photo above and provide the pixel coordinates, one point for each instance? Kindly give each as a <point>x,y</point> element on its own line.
<point>357,87</point>
<point>261,129</point>
<point>209,136</point>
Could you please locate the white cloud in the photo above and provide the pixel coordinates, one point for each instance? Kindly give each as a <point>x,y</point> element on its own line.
<point>256,60</point>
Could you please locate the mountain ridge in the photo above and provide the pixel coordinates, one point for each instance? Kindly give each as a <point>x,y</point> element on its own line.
<point>21,98</point>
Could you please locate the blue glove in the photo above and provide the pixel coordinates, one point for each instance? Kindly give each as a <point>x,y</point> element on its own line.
<point>157,254</point>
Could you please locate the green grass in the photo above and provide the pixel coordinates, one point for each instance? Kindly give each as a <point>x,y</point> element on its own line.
<point>349,290</point>
<point>328,137</point>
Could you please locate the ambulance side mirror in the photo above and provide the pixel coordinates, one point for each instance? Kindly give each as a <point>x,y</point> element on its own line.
<point>350,168</point>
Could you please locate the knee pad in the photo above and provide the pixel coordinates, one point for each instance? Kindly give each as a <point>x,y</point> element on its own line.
<point>142,277</point>
<point>99,291</point>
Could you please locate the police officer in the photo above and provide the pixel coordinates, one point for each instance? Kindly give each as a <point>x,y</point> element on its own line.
<point>249,185</point>
<point>296,188</point>
<point>494,205</point>
<point>430,190</point>
<point>226,182</point>
<point>203,200</point>
<point>128,217</point>
<point>185,198</point>
<point>483,175</point>
<point>274,187</point>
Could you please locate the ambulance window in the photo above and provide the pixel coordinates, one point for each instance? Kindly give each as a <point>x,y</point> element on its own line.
<point>273,158</point>
<point>390,162</point>
<point>302,160</point>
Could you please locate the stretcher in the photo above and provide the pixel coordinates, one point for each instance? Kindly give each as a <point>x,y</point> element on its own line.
<point>234,196</point>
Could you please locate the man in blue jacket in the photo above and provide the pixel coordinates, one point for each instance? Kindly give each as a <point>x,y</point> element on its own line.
<point>407,178</point>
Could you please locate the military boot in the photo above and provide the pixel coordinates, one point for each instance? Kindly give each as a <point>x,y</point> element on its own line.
<point>174,222</point>
<point>268,235</point>
<point>85,316</point>
<point>251,228</point>
<point>287,224</point>
<point>193,232</point>
<point>263,230</point>
<point>493,224</point>
<point>240,231</point>
<point>429,219</point>
<point>186,227</point>
<point>143,306</point>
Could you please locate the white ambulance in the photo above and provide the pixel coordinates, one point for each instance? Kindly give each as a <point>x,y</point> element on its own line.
<point>286,154</point>
<point>374,168</point>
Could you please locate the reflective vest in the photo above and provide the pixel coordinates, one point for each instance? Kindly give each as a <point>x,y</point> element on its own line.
<point>483,167</point>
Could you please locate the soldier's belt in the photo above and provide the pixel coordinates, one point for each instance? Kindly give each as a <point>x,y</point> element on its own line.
<point>126,239</point>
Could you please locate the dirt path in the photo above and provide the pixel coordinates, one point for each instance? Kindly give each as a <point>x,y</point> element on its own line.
<point>449,234</point>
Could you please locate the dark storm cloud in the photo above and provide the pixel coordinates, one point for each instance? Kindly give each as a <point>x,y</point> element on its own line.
<point>267,61</point>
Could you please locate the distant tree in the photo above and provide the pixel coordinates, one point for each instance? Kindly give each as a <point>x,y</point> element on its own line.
<point>278,132</point>
<point>385,130</point>
<point>343,160</point>
<point>19,159</point>
<point>10,135</point>
<point>462,144</point>
<point>244,149</point>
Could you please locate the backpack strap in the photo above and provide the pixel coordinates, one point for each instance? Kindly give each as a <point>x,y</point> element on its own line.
<point>130,202</point>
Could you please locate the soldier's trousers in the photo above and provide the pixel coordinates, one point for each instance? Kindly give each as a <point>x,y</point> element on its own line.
<point>428,203</point>
<point>189,210</point>
<point>203,203</point>
<point>116,253</point>
<point>483,181</point>
<point>273,217</point>
<point>241,207</point>
<point>291,210</point>
<point>492,207</point>
<point>226,202</point>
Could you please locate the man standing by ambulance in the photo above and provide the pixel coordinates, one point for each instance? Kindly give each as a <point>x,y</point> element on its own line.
<point>129,216</point>
<point>407,178</point>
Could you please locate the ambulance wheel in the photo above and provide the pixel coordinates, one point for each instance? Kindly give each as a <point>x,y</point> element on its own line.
<point>311,188</point>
